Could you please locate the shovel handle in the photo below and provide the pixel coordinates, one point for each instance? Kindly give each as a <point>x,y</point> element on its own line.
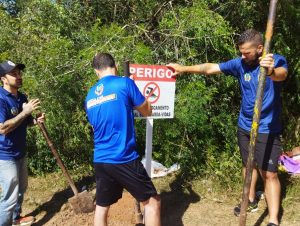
<point>58,159</point>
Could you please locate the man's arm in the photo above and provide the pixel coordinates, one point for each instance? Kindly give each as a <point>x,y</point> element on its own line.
<point>279,74</point>
<point>206,68</point>
<point>145,108</point>
<point>276,74</point>
<point>12,124</point>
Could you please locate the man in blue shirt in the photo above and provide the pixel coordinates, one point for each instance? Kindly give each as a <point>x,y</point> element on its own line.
<point>109,105</point>
<point>268,148</point>
<point>15,116</point>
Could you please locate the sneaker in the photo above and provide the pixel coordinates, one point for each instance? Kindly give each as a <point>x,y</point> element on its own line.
<point>259,195</point>
<point>272,224</point>
<point>252,207</point>
<point>24,221</point>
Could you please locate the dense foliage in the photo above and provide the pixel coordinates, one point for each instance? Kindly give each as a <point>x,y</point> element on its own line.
<point>57,40</point>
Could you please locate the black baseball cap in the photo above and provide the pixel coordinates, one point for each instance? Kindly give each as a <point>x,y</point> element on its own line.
<point>8,66</point>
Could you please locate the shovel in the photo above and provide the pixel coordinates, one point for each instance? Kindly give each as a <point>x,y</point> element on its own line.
<point>81,202</point>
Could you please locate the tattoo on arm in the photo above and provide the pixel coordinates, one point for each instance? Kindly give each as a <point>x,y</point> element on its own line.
<point>12,124</point>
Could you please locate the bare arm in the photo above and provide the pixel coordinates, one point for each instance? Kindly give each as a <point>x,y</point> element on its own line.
<point>12,124</point>
<point>279,74</point>
<point>206,68</point>
<point>145,108</point>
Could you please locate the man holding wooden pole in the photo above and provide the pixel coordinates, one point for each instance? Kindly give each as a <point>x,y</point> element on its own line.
<point>268,148</point>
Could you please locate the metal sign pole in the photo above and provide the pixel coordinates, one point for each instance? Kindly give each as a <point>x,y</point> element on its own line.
<point>148,152</point>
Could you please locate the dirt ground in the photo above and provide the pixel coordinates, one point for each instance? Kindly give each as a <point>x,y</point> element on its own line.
<point>180,206</point>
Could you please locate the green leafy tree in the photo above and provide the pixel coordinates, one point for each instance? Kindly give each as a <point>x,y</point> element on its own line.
<point>57,40</point>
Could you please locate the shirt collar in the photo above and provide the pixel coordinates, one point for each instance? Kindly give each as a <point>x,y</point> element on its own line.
<point>4,91</point>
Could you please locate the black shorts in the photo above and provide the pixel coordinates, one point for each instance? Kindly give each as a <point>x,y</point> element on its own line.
<point>267,151</point>
<point>111,179</point>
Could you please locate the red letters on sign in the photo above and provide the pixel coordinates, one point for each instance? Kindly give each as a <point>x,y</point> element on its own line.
<point>151,73</point>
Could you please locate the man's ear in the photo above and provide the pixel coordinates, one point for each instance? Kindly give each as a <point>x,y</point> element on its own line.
<point>260,49</point>
<point>97,73</point>
<point>2,79</point>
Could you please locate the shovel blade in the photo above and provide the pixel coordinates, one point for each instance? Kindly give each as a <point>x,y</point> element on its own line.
<point>83,202</point>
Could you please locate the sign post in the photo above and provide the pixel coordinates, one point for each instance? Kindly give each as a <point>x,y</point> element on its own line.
<point>158,86</point>
<point>148,152</point>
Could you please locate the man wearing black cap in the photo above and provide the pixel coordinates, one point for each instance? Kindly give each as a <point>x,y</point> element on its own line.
<point>15,116</point>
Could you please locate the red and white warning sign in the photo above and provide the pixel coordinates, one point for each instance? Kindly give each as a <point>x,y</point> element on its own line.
<point>158,86</point>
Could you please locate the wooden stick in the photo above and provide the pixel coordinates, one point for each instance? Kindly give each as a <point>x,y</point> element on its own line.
<point>256,116</point>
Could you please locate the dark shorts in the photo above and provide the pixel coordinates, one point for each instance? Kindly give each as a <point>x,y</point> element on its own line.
<point>111,179</point>
<point>267,151</point>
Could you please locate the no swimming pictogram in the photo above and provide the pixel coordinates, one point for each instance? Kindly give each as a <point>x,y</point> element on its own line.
<point>151,92</point>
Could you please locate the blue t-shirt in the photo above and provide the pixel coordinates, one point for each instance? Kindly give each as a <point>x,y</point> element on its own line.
<point>109,105</point>
<point>12,145</point>
<point>248,78</point>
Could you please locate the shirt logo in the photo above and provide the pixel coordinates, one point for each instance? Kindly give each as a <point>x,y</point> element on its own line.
<point>247,77</point>
<point>14,111</point>
<point>99,90</point>
<point>100,100</point>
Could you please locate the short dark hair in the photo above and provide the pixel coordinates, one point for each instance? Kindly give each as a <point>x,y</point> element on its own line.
<point>102,61</point>
<point>250,35</point>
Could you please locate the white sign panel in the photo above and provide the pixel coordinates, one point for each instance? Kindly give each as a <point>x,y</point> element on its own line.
<point>158,86</point>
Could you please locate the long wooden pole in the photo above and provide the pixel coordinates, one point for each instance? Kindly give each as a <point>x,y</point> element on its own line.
<point>256,116</point>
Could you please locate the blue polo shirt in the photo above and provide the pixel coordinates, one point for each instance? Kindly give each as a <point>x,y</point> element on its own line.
<point>109,105</point>
<point>248,79</point>
<point>12,145</point>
